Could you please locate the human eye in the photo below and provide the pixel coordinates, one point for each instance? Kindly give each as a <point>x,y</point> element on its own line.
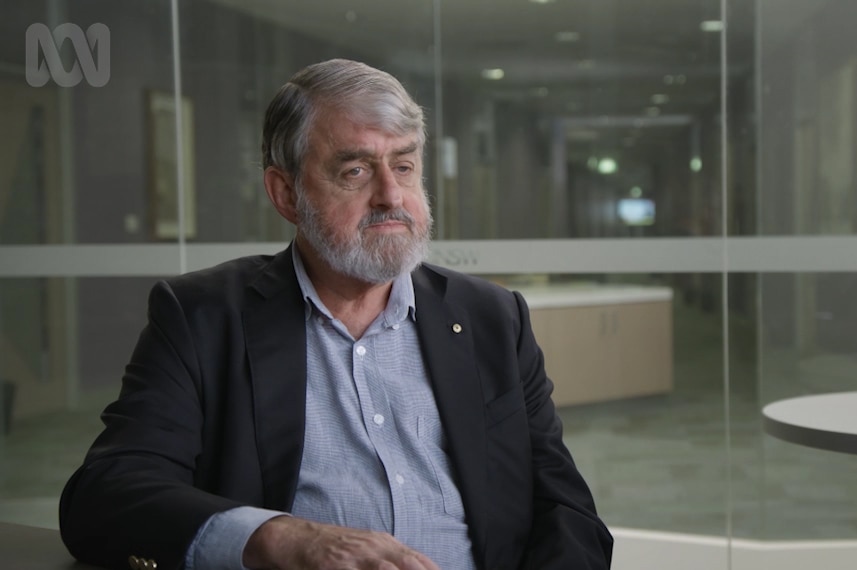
<point>354,176</point>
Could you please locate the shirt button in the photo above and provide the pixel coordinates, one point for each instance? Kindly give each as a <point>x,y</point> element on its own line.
<point>399,479</point>
<point>378,419</point>
<point>396,327</point>
<point>361,350</point>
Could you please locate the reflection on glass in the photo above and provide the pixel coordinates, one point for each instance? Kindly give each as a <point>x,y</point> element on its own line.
<point>64,344</point>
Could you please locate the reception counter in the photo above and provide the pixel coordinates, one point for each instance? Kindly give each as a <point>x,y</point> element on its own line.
<point>604,342</point>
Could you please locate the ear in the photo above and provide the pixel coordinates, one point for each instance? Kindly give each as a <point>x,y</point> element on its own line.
<point>280,187</point>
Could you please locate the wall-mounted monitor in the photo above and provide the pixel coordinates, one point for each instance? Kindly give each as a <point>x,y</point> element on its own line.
<point>637,211</point>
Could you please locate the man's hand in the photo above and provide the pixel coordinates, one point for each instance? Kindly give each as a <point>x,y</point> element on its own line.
<point>297,544</point>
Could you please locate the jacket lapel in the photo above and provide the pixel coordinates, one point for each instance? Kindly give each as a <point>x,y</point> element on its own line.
<point>275,333</point>
<point>447,344</point>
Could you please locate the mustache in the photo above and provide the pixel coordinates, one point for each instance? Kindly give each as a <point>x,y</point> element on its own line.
<point>381,216</point>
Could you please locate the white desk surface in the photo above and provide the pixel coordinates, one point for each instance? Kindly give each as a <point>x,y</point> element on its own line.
<point>825,421</point>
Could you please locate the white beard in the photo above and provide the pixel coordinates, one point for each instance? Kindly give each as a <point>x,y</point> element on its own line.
<point>380,259</point>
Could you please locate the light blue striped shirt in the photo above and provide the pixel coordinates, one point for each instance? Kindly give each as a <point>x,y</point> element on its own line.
<point>374,449</point>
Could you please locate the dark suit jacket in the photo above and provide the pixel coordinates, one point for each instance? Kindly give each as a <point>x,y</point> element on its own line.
<point>212,406</point>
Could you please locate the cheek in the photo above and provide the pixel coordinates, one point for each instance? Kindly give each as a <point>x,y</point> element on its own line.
<point>417,206</point>
<point>345,218</point>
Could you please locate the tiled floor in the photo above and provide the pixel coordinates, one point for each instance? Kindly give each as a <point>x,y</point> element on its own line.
<point>659,463</point>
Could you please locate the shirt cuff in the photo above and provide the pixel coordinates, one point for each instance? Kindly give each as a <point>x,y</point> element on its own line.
<point>219,543</point>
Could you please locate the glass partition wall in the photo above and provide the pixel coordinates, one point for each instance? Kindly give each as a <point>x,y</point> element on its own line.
<point>670,183</point>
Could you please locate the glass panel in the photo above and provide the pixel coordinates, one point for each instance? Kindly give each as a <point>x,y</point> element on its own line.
<point>806,322</point>
<point>76,162</point>
<point>582,119</point>
<point>637,363</point>
<point>63,354</point>
<point>808,343</point>
<point>808,67</point>
<point>236,55</point>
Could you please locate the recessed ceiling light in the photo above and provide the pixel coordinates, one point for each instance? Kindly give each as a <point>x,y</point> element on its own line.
<point>567,36</point>
<point>711,26</point>
<point>660,98</point>
<point>493,73</point>
<point>607,165</point>
<point>542,1</point>
<point>696,164</point>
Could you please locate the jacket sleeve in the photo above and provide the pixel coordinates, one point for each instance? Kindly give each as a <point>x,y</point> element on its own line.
<point>566,531</point>
<point>134,495</point>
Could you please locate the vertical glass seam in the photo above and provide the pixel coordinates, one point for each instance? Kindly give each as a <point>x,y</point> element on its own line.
<point>760,365</point>
<point>440,210</point>
<point>180,158</point>
<point>724,159</point>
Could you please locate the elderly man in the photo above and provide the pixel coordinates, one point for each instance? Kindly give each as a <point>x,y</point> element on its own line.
<point>339,405</point>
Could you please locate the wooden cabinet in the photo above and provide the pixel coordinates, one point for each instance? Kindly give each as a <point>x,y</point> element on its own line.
<point>604,347</point>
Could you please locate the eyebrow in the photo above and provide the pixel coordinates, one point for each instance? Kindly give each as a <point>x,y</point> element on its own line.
<point>348,155</point>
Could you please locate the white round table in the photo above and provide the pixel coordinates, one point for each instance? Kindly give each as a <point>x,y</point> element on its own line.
<point>825,421</point>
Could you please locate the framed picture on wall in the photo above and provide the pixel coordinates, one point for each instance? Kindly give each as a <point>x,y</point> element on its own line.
<point>165,192</point>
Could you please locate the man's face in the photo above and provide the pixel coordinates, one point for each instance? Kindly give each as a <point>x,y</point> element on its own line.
<point>361,205</point>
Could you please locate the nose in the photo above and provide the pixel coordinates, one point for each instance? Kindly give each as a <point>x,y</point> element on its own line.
<point>388,191</point>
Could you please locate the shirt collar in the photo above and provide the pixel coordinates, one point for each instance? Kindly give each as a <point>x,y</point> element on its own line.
<point>400,305</point>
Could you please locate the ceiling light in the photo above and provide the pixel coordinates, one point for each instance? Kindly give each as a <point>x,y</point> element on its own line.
<point>711,26</point>
<point>607,166</point>
<point>493,73</point>
<point>567,36</point>
<point>660,98</point>
<point>653,111</point>
<point>696,164</point>
<point>542,1</point>
<point>636,192</point>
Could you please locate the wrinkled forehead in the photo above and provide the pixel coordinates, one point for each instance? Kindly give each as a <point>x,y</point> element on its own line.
<point>386,114</point>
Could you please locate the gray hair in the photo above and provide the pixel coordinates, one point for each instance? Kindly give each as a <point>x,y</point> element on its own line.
<point>367,95</point>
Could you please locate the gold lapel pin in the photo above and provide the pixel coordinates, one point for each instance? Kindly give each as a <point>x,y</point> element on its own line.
<point>456,328</point>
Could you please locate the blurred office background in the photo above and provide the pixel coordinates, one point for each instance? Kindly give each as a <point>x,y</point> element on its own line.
<point>703,150</point>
